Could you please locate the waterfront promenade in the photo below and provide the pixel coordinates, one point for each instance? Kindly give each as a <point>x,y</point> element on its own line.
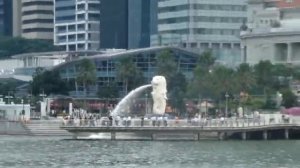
<point>218,129</point>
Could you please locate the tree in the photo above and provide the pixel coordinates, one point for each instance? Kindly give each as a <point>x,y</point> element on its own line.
<point>204,63</point>
<point>222,81</point>
<point>178,85</point>
<point>282,75</point>
<point>288,98</point>
<point>48,82</point>
<point>129,74</point>
<point>17,45</point>
<point>201,83</point>
<point>86,75</point>
<point>245,77</point>
<point>166,65</point>
<point>110,91</point>
<point>263,73</point>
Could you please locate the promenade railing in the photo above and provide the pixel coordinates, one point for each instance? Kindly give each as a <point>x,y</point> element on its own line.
<point>138,122</point>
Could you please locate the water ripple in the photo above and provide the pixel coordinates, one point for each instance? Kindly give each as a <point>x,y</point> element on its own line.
<point>45,152</point>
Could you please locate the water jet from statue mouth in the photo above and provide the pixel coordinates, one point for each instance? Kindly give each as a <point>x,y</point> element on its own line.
<point>159,96</point>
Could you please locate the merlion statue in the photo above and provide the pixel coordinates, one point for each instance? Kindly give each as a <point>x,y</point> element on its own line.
<point>159,94</point>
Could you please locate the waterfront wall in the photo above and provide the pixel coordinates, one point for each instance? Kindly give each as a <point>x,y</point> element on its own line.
<point>12,128</point>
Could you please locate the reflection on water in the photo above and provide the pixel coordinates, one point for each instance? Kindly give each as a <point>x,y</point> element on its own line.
<point>39,152</point>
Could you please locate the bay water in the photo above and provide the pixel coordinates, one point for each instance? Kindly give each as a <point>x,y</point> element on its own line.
<point>48,152</point>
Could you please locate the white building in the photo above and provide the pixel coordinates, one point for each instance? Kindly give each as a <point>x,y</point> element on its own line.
<point>36,19</point>
<point>14,112</point>
<point>272,33</point>
<point>202,25</point>
<point>77,24</point>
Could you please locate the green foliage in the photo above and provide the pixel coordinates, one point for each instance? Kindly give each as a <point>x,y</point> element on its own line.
<point>109,91</point>
<point>86,75</point>
<point>166,65</point>
<point>8,85</point>
<point>288,98</point>
<point>87,72</point>
<point>245,77</point>
<point>177,90</point>
<point>212,82</point>
<point>201,84</point>
<point>129,74</point>
<point>48,82</point>
<point>204,63</point>
<point>18,45</point>
<point>263,73</point>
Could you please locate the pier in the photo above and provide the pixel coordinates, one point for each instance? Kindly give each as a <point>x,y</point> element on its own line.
<point>189,131</point>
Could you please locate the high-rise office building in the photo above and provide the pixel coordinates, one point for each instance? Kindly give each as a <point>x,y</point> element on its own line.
<point>127,24</point>
<point>141,22</point>
<point>114,24</point>
<point>77,24</point>
<point>5,17</point>
<point>201,25</point>
<point>104,24</point>
<point>37,19</point>
<point>1,17</point>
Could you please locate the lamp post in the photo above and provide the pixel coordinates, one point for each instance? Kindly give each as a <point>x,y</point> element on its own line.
<point>226,108</point>
<point>23,111</point>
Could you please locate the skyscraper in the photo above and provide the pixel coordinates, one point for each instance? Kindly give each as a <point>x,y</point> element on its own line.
<point>5,17</point>
<point>127,24</point>
<point>77,24</point>
<point>141,22</point>
<point>114,24</point>
<point>201,25</point>
<point>1,17</point>
<point>37,19</point>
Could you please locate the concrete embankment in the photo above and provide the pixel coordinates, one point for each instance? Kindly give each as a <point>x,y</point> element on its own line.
<point>13,128</point>
<point>46,128</point>
<point>33,128</point>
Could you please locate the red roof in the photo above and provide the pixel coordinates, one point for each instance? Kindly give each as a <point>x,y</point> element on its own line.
<point>295,111</point>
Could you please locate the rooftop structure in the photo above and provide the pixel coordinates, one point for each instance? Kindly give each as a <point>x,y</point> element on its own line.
<point>272,32</point>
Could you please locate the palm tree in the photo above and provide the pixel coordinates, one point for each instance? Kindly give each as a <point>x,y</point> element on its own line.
<point>166,65</point>
<point>86,74</point>
<point>263,73</point>
<point>245,77</point>
<point>127,71</point>
<point>201,84</point>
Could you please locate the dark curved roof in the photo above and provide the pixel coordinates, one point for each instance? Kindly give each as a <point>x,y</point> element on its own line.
<point>127,53</point>
<point>51,53</point>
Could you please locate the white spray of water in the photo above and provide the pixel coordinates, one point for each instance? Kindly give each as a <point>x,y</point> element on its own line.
<point>125,101</point>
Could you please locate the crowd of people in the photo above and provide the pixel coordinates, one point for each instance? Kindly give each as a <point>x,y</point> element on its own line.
<point>80,117</point>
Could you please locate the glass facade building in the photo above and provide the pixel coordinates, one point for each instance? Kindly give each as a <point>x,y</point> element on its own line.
<point>127,24</point>
<point>5,17</point>
<point>114,24</point>
<point>144,59</point>
<point>1,17</point>
<point>202,25</point>
<point>141,22</point>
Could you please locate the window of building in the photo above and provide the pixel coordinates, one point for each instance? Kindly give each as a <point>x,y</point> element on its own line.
<point>80,27</point>
<point>81,7</point>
